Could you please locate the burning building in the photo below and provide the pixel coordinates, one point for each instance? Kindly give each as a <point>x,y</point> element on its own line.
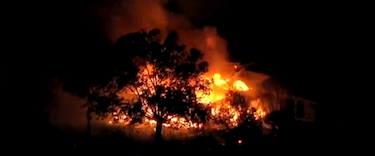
<point>131,17</point>
<point>265,95</point>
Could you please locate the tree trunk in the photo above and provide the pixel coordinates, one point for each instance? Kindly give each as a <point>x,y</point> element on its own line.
<point>88,116</point>
<point>159,126</point>
<point>89,127</point>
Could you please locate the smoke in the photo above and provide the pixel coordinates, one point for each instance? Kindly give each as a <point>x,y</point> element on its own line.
<point>125,17</point>
<point>67,110</point>
<point>120,17</point>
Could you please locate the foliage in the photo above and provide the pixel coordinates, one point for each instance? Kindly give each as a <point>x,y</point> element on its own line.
<point>234,104</point>
<point>245,115</point>
<point>237,100</point>
<point>161,80</point>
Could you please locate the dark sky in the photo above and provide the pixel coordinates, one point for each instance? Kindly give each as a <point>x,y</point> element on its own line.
<point>286,40</point>
<point>300,43</point>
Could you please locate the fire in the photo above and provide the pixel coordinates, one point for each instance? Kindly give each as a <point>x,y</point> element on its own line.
<point>181,122</point>
<point>259,113</point>
<point>215,100</point>
<point>240,86</point>
<point>220,88</point>
<point>213,48</point>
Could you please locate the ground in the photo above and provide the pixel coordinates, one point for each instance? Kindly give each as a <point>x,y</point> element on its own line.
<point>56,140</point>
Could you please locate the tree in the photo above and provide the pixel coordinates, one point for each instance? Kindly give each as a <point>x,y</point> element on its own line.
<point>88,81</point>
<point>160,83</point>
<point>249,128</point>
<point>233,111</point>
<point>99,105</point>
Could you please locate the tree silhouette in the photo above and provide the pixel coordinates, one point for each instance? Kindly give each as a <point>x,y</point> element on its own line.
<point>238,110</point>
<point>99,105</point>
<point>224,115</point>
<point>241,104</point>
<point>158,82</point>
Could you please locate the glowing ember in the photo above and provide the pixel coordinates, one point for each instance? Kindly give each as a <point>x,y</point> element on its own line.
<point>239,142</point>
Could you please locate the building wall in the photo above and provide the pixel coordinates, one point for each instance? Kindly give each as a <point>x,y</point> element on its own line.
<point>298,108</point>
<point>279,98</point>
<point>304,110</point>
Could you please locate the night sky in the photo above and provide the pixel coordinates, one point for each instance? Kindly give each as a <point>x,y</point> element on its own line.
<point>297,43</point>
